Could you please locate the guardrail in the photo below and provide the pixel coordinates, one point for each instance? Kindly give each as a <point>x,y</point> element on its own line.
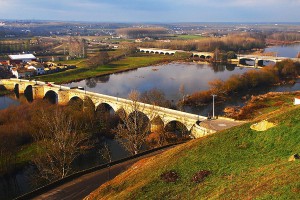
<point>72,177</point>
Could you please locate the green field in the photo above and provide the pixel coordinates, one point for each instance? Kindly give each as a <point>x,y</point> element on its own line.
<point>244,164</point>
<point>127,63</point>
<point>188,37</point>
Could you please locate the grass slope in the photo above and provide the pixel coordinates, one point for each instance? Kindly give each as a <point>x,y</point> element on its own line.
<point>245,164</point>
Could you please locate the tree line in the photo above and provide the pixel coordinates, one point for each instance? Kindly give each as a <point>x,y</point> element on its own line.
<point>233,42</point>
<point>141,32</point>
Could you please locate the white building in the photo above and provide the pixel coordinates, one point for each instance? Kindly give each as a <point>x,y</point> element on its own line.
<point>38,69</point>
<point>297,101</point>
<point>22,58</point>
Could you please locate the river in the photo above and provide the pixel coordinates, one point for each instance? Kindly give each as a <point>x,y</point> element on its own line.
<point>168,78</point>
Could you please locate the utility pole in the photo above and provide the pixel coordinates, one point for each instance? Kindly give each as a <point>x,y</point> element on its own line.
<point>214,105</point>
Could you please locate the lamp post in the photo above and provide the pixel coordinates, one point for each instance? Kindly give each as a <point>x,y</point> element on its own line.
<point>214,105</point>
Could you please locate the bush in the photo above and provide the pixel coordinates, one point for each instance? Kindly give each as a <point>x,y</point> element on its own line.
<point>169,176</point>
<point>200,176</point>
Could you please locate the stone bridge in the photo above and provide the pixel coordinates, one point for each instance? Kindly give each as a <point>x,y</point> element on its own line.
<point>202,55</point>
<point>158,51</point>
<point>258,60</point>
<point>64,94</point>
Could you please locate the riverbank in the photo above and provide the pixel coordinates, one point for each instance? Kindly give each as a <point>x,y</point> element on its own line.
<point>125,64</point>
<point>285,72</point>
<point>262,104</point>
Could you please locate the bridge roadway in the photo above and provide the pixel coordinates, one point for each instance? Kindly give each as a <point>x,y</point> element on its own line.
<point>64,94</point>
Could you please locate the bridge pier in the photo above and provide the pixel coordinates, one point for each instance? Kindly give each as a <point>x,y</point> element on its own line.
<point>198,131</point>
<point>259,63</point>
<point>38,92</point>
<point>63,97</point>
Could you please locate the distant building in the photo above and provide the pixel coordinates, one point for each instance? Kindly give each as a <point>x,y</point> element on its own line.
<point>38,69</point>
<point>18,59</point>
<point>297,101</point>
<point>22,72</point>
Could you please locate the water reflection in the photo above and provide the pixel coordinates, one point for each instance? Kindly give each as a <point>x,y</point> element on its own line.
<point>167,78</point>
<point>285,50</point>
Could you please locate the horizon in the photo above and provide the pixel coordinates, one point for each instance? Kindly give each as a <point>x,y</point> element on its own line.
<point>154,22</point>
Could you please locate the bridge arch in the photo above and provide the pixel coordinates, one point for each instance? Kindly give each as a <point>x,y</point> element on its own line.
<point>208,57</point>
<point>76,103</point>
<point>104,107</point>
<point>178,128</point>
<point>51,96</point>
<point>115,107</point>
<point>16,90</point>
<point>202,56</point>
<point>28,93</point>
<point>141,119</point>
<point>161,53</point>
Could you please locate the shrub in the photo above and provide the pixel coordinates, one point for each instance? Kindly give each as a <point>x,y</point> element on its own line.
<point>169,176</point>
<point>200,176</point>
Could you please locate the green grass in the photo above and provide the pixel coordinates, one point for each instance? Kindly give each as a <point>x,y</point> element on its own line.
<point>82,71</point>
<point>188,37</point>
<point>245,164</point>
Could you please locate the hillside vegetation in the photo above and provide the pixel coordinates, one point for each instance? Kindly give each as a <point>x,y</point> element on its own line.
<point>243,164</point>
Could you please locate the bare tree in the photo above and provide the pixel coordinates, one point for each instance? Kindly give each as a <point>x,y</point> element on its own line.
<point>59,144</point>
<point>155,97</point>
<point>100,58</point>
<point>133,129</point>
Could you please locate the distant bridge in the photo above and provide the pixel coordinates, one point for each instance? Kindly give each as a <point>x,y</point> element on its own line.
<point>258,60</point>
<point>158,51</point>
<point>195,54</point>
<point>63,95</point>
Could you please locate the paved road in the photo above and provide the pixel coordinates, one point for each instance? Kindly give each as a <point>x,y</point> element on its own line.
<point>84,185</point>
<point>220,124</point>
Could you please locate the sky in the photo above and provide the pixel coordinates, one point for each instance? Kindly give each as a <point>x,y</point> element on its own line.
<point>153,10</point>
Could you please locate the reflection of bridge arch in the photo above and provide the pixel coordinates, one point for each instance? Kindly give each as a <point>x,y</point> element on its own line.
<point>51,96</point>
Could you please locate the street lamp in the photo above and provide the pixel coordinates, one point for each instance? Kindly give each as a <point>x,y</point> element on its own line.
<point>214,105</point>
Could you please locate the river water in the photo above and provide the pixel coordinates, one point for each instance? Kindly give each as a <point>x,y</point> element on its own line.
<point>169,78</point>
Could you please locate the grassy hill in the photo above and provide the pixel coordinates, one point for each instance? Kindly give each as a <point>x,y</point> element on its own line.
<point>244,164</point>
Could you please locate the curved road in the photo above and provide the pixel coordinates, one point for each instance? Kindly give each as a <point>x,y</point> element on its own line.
<point>84,185</point>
